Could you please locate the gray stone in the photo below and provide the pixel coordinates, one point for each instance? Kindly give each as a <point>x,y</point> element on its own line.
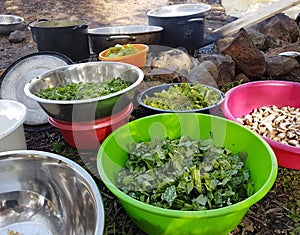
<point>205,73</point>
<point>280,65</point>
<point>16,36</point>
<point>225,67</point>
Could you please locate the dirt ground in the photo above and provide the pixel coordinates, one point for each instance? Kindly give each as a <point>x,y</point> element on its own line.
<point>96,13</point>
<point>277,213</point>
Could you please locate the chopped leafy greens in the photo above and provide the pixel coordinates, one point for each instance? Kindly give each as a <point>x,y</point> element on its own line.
<point>184,96</point>
<point>81,91</point>
<point>185,174</point>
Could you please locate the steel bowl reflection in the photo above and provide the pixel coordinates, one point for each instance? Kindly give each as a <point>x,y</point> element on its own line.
<point>44,193</point>
<point>10,23</point>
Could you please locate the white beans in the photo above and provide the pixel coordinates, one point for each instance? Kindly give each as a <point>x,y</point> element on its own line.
<point>278,124</point>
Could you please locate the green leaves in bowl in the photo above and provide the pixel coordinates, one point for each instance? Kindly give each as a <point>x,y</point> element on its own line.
<point>185,174</point>
<point>183,96</point>
<point>81,91</point>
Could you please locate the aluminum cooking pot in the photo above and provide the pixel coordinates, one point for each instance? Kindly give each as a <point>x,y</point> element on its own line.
<point>68,37</point>
<point>105,37</point>
<point>184,24</point>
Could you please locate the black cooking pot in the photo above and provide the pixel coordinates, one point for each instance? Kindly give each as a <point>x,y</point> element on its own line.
<point>104,37</point>
<point>69,37</point>
<point>184,24</point>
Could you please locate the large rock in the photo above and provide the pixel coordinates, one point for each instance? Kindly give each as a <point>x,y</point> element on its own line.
<point>278,66</point>
<point>258,38</point>
<point>158,76</point>
<point>292,76</point>
<point>174,60</point>
<point>205,73</point>
<point>225,67</point>
<point>264,42</point>
<point>247,57</point>
<point>280,26</point>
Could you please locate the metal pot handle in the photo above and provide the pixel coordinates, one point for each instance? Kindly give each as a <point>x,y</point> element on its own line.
<point>77,27</point>
<point>114,37</point>
<point>194,20</point>
<point>41,20</point>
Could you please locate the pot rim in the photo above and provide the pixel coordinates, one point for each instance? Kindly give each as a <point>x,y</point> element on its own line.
<point>128,30</point>
<point>54,24</point>
<point>17,20</point>
<point>179,10</point>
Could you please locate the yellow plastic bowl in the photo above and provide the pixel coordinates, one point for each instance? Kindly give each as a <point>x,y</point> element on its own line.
<point>137,59</point>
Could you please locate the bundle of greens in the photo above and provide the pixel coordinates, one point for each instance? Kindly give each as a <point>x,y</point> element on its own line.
<point>185,174</point>
<point>119,50</point>
<point>81,91</point>
<point>184,96</point>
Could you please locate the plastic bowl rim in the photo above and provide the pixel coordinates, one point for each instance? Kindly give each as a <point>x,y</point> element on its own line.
<point>145,49</point>
<point>242,205</point>
<point>85,126</point>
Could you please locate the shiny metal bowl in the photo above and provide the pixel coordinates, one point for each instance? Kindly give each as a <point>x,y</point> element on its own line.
<point>10,23</point>
<point>44,193</point>
<point>88,109</point>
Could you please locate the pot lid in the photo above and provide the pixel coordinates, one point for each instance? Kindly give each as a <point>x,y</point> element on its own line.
<point>130,29</point>
<point>179,10</point>
<point>15,77</point>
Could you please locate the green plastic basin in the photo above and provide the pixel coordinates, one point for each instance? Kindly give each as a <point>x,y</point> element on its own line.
<point>153,220</point>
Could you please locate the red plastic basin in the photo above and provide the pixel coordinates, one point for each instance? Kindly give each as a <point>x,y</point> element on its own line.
<point>242,99</point>
<point>89,135</point>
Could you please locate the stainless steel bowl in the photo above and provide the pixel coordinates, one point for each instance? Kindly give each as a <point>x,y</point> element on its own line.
<point>10,23</point>
<point>44,193</point>
<point>88,109</point>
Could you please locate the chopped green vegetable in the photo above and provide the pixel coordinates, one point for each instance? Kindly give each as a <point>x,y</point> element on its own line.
<point>185,174</point>
<point>184,96</point>
<point>119,50</point>
<point>81,91</point>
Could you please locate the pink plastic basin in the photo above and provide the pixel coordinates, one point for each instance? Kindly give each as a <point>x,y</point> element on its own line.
<point>89,135</point>
<point>242,99</point>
